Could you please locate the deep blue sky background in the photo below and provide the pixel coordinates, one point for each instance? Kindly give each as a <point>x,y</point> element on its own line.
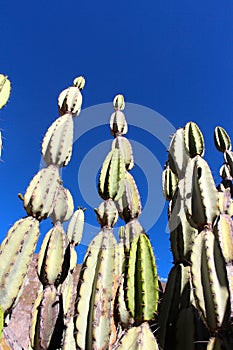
<point>174,57</point>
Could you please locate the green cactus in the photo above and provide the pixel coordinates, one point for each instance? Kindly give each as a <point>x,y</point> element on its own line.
<point>142,290</point>
<point>115,302</point>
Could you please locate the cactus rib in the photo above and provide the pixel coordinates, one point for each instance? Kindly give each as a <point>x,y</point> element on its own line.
<point>211,289</point>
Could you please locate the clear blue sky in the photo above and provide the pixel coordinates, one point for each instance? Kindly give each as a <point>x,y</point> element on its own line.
<point>174,57</point>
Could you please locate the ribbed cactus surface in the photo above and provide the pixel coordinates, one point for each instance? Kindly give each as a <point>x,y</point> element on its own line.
<point>94,293</point>
<point>210,282</point>
<point>142,290</point>
<point>15,256</point>
<point>116,301</point>
<point>138,338</point>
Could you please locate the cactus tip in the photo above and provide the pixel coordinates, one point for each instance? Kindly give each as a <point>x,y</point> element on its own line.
<point>119,102</point>
<point>79,82</point>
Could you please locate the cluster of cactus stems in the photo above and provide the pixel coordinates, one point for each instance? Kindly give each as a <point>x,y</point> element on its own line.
<point>196,311</point>
<point>117,303</point>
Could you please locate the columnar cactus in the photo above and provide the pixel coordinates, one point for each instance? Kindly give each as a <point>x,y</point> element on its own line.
<point>44,197</point>
<point>57,257</point>
<point>106,284</point>
<point>138,291</point>
<point>94,323</point>
<point>115,302</point>
<point>196,223</point>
